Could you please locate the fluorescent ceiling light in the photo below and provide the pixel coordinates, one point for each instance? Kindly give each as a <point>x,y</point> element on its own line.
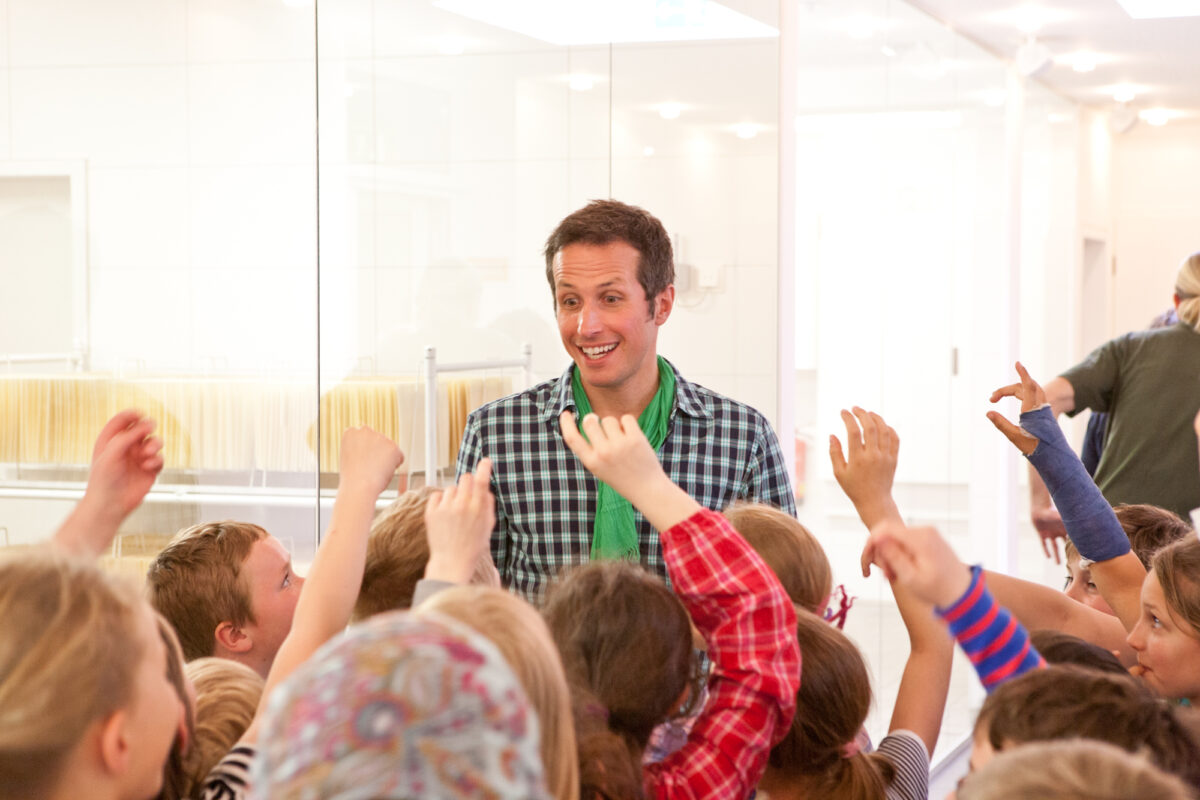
<point>746,130</point>
<point>590,22</point>
<point>1160,9</point>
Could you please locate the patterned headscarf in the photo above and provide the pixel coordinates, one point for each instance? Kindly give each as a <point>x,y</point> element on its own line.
<point>402,706</point>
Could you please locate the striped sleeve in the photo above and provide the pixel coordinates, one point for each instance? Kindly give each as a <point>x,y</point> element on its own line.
<point>907,753</point>
<point>990,635</point>
<point>230,778</point>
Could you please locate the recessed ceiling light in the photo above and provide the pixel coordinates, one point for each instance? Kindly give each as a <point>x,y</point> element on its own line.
<point>1084,62</point>
<point>582,83</point>
<point>1156,116</point>
<point>1160,9</point>
<point>747,130</point>
<point>1029,19</point>
<point>1124,94</point>
<point>647,151</point>
<point>670,110</point>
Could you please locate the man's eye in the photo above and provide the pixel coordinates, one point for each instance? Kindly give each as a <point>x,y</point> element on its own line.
<point>569,302</point>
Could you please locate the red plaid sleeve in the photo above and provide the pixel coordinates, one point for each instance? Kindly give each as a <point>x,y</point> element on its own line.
<point>750,625</point>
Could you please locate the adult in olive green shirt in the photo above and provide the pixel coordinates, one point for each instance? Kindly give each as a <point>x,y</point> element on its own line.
<point>1149,384</point>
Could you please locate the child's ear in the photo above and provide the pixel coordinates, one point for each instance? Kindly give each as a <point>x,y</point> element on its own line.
<point>114,743</point>
<point>231,639</point>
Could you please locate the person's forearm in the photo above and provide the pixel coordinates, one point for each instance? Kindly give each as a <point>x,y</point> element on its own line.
<point>1060,394</point>
<point>997,644</point>
<point>1120,583</point>
<point>921,700</point>
<point>333,581</point>
<point>1039,495</point>
<point>89,529</point>
<point>663,503</point>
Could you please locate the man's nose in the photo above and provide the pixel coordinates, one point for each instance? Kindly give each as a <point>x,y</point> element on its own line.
<point>589,319</point>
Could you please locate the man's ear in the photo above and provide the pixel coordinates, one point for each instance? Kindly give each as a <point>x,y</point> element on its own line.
<point>115,748</point>
<point>663,304</point>
<point>231,639</point>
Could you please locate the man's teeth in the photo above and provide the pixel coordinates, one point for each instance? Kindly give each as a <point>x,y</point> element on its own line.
<point>596,352</point>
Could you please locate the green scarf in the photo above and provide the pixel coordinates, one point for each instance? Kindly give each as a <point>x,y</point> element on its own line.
<point>615,534</point>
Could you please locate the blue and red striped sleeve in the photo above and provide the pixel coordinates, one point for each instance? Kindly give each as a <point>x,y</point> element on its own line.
<point>990,635</point>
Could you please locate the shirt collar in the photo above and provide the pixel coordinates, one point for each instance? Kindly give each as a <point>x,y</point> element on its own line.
<point>687,399</point>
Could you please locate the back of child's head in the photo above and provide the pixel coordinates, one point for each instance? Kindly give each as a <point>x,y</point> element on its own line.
<point>1148,527</point>
<point>196,582</point>
<point>69,649</point>
<point>520,633</point>
<point>607,768</point>
<point>1066,702</point>
<point>626,639</point>
<point>831,706</point>
<point>402,705</point>
<point>397,552</point>
<point>227,696</point>
<point>1076,769</point>
<point>1177,567</point>
<point>1063,648</point>
<point>789,549</point>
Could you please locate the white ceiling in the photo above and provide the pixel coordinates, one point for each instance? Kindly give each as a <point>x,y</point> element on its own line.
<point>1160,56</point>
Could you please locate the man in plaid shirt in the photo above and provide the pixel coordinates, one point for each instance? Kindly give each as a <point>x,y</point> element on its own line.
<point>611,270</point>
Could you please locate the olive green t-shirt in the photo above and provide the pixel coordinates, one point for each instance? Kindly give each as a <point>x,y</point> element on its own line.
<point>1149,383</point>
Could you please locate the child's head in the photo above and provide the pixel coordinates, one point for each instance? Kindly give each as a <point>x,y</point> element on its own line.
<point>1071,770</point>
<point>831,706</point>
<point>793,553</point>
<point>1064,702</point>
<point>626,639</point>
<point>228,589</point>
<point>1167,635</point>
<point>227,695</point>
<point>520,633</point>
<point>419,705</point>
<point>397,553</point>
<point>1149,529</point>
<point>1063,648</point>
<point>84,686</point>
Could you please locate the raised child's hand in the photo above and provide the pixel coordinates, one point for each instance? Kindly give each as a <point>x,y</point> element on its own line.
<point>125,462</point>
<point>458,526</point>
<point>920,560</point>
<point>368,460</point>
<point>866,474</point>
<point>615,451</point>
<point>1031,396</point>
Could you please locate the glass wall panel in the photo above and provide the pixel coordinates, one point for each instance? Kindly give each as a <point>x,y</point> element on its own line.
<point>910,144</point>
<point>158,219</point>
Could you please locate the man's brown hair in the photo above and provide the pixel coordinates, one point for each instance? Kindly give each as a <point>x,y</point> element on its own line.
<point>196,582</point>
<point>601,222</point>
<point>1066,702</point>
<point>792,553</point>
<point>397,552</point>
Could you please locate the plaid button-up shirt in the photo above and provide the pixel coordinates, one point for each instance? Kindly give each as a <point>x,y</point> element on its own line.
<point>717,449</point>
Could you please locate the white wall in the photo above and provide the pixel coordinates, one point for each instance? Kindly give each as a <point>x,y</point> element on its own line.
<point>1156,209</point>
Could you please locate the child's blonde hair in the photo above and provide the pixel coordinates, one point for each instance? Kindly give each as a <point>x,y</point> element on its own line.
<point>227,695</point>
<point>790,550</point>
<point>521,635</point>
<point>69,649</point>
<point>1074,769</point>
